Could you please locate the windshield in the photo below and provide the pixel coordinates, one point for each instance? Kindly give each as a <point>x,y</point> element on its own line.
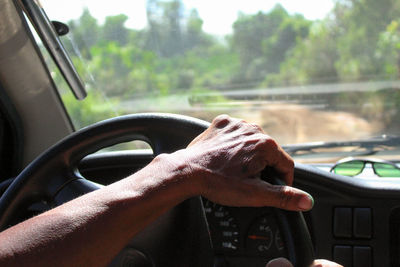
<point>305,71</point>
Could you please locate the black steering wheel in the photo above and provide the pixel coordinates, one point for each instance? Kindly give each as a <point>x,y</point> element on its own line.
<point>54,178</point>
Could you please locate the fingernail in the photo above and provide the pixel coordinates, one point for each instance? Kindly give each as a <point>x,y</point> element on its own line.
<point>306,202</point>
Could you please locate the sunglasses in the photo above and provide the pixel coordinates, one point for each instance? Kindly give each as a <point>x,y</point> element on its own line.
<point>353,167</point>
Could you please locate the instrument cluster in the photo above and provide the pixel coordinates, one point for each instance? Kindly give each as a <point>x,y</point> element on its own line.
<point>248,236</point>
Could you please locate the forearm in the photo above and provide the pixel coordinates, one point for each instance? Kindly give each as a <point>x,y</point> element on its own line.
<point>92,229</point>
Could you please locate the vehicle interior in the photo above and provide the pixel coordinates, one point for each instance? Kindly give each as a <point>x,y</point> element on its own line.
<point>327,88</point>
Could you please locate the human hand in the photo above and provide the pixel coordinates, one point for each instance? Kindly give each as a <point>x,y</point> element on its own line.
<point>229,157</point>
<point>282,262</point>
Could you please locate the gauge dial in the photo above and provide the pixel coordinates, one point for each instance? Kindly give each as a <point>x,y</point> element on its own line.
<point>264,237</point>
<point>223,227</point>
<point>278,241</point>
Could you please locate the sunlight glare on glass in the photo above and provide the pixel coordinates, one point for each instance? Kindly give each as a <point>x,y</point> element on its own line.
<point>209,11</point>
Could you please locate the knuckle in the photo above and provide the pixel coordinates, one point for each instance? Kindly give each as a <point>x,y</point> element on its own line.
<point>290,163</point>
<point>271,144</point>
<point>223,117</point>
<point>256,127</point>
<point>221,121</point>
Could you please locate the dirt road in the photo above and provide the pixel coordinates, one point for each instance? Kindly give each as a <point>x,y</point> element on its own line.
<point>290,124</point>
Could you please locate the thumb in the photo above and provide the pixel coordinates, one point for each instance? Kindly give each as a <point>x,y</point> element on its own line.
<point>286,197</point>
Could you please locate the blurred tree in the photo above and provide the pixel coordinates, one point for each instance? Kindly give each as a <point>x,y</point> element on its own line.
<point>361,23</point>
<point>164,20</point>
<point>114,29</point>
<point>312,60</point>
<point>388,50</point>
<point>194,36</point>
<point>263,40</point>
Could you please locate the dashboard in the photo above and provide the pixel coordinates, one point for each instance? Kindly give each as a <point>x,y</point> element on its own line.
<point>354,221</point>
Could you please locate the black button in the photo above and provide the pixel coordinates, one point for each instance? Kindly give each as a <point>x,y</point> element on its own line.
<point>362,223</point>
<point>362,256</point>
<point>342,222</point>
<point>343,255</point>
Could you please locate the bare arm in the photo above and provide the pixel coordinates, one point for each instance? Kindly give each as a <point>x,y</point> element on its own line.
<point>221,164</point>
<point>92,229</point>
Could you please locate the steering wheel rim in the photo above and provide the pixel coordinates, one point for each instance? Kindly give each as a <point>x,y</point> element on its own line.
<point>57,167</point>
<point>60,162</point>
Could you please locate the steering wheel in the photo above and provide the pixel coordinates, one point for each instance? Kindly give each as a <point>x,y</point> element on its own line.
<point>54,177</point>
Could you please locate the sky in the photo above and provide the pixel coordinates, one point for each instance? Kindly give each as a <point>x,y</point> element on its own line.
<point>218,15</point>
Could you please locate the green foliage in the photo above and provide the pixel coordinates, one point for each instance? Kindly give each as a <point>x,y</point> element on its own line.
<point>114,29</point>
<point>388,51</point>
<point>361,23</point>
<point>359,40</point>
<point>88,111</point>
<point>263,41</point>
<point>311,60</point>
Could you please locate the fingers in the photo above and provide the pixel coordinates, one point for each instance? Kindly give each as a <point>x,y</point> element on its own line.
<point>285,197</point>
<point>277,158</point>
<point>233,152</point>
<point>273,154</point>
<point>257,193</point>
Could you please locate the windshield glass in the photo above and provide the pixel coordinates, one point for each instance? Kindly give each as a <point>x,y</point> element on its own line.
<point>305,71</point>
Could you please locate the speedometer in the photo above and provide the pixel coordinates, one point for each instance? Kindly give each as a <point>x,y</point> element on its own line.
<point>264,236</point>
<point>226,236</point>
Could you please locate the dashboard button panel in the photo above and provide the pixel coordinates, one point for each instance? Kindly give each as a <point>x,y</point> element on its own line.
<point>342,222</point>
<point>343,255</point>
<point>362,223</point>
<point>362,256</point>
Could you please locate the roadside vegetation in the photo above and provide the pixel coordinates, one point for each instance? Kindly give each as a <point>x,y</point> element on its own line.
<point>358,41</point>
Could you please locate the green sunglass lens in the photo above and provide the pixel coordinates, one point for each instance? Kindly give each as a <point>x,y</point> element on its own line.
<point>350,168</point>
<point>386,170</point>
